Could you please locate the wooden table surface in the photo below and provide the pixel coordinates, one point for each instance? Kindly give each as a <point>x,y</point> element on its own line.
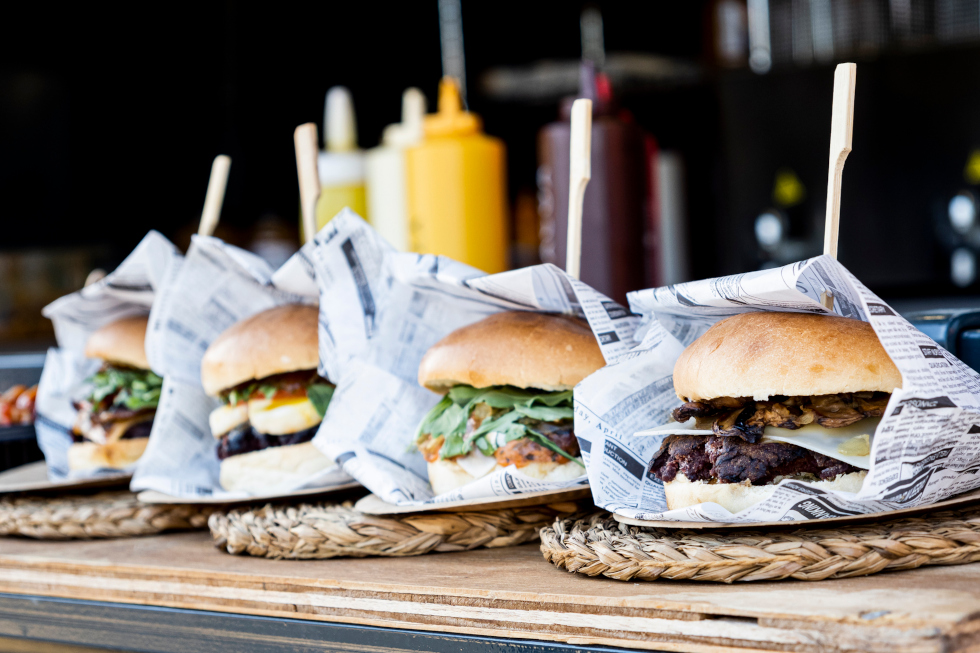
<point>512,593</point>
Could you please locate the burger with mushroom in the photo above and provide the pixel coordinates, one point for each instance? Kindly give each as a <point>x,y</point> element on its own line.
<point>772,396</point>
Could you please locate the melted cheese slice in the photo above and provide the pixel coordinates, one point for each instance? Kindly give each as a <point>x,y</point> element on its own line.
<point>225,418</point>
<point>282,416</point>
<point>814,437</point>
<point>476,463</point>
<point>112,432</point>
<point>827,441</point>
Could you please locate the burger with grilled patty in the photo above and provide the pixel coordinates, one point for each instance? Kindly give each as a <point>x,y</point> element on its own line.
<point>115,418</point>
<point>507,381</point>
<point>264,371</point>
<point>772,396</point>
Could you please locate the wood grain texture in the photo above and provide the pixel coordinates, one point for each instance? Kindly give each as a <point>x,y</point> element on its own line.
<point>512,593</point>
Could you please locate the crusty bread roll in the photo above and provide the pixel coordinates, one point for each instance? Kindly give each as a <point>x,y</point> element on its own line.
<point>519,348</point>
<point>120,343</point>
<point>447,475</point>
<point>736,497</point>
<point>761,355</point>
<point>273,469</point>
<point>281,339</point>
<point>84,456</point>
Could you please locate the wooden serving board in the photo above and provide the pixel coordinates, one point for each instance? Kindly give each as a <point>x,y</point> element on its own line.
<point>513,592</point>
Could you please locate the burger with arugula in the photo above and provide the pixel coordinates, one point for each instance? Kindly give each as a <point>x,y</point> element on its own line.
<point>116,416</point>
<point>508,382</point>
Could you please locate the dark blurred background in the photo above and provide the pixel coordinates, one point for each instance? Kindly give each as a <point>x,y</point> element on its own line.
<point>110,119</point>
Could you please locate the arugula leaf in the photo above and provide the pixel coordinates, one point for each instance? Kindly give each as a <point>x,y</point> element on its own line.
<point>486,447</point>
<point>139,399</point>
<point>454,445</point>
<point>451,422</point>
<point>545,442</point>
<point>494,425</point>
<point>320,395</point>
<point>511,432</point>
<point>430,417</point>
<point>545,413</point>
<point>134,389</point>
<point>268,391</point>
<point>449,417</point>
<point>463,394</point>
<point>554,398</point>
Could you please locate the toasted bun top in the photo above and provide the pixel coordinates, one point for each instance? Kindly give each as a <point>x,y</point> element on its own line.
<point>120,343</point>
<point>518,348</point>
<point>760,355</point>
<point>281,339</point>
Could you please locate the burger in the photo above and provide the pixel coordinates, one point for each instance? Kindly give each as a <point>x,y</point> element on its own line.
<point>772,396</point>
<point>115,418</point>
<point>264,371</point>
<point>507,382</point>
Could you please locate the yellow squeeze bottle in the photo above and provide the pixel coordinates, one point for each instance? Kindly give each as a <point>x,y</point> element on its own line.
<point>457,193</point>
<point>341,166</point>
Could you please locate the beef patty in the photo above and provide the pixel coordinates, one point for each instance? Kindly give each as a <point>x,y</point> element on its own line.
<point>245,439</point>
<point>733,460</point>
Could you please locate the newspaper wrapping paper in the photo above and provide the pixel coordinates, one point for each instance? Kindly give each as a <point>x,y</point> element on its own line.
<point>129,290</point>
<point>218,285</point>
<point>402,305</point>
<point>926,447</point>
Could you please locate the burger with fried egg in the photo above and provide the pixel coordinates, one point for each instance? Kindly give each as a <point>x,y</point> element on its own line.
<point>264,371</point>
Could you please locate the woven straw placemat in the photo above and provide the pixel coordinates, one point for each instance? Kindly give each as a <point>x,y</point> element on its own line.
<point>89,516</point>
<point>320,530</point>
<point>598,545</point>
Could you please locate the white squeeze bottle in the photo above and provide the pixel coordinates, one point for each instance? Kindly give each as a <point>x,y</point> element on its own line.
<point>387,198</point>
<point>341,165</point>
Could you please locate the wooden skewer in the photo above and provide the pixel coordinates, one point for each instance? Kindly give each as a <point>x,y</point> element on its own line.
<point>306,141</point>
<point>580,174</point>
<point>215,196</point>
<point>841,131</point>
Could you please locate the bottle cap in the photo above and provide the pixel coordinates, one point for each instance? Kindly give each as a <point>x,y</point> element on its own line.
<point>409,131</point>
<point>338,121</point>
<point>451,120</point>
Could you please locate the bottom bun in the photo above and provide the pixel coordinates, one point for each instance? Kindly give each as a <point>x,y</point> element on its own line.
<point>447,475</point>
<point>84,456</point>
<point>273,469</point>
<point>736,497</point>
